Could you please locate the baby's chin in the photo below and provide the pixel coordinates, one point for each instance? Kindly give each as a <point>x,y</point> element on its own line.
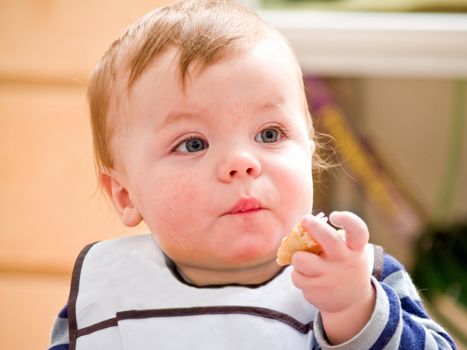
<point>250,254</point>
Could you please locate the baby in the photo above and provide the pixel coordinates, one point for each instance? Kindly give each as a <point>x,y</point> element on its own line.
<point>201,130</point>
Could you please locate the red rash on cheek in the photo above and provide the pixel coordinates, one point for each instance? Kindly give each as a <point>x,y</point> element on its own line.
<point>181,208</point>
<point>185,192</point>
<point>179,201</point>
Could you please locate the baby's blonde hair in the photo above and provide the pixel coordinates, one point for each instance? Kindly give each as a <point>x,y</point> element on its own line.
<point>202,31</point>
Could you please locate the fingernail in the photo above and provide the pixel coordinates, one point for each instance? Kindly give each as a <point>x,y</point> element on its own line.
<point>321,217</point>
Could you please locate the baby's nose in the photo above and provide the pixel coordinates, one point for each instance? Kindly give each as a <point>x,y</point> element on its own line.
<point>239,165</point>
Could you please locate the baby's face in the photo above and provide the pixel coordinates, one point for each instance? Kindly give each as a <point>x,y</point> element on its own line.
<point>221,171</point>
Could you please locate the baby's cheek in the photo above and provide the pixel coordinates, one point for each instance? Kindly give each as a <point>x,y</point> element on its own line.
<point>184,195</point>
<point>178,202</point>
<point>298,184</point>
<point>297,169</point>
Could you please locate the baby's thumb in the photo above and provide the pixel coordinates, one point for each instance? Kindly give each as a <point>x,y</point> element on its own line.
<point>356,230</point>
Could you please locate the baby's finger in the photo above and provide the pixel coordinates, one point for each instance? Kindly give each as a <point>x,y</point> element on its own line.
<point>306,263</point>
<point>356,230</point>
<point>326,236</point>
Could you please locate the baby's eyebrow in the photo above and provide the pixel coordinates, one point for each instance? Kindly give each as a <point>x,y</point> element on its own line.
<point>176,117</point>
<point>173,118</point>
<point>268,106</point>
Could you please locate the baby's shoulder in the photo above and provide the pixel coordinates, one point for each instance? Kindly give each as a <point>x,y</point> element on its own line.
<point>382,264</point>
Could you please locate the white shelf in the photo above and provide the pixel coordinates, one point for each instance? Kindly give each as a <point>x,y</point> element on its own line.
<point>422,45</point>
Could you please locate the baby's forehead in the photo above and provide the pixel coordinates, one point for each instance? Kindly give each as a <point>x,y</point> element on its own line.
<point>171,59</point>
<point>167,72</point>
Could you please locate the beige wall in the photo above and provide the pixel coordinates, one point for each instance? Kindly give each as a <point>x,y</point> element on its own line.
<point>49,203</point>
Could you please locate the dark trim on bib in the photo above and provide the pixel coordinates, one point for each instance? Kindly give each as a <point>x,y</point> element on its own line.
<point>219,310</point>
<point>111,322</point>
<point>303,328</point>
<point>74,289</point>
<point>176,273</point>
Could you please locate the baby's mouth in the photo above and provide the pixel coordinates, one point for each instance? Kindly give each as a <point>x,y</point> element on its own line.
<point>245,206</point>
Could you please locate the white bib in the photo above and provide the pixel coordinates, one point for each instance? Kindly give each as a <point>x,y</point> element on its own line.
<point>125,296</point>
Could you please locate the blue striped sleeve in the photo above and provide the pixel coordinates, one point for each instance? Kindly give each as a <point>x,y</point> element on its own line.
<point>59,337</point>
<point>418,330</point>
<point>399,320</point>
<point>392,323</point>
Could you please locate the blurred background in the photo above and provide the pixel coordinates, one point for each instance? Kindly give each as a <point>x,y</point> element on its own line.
<point>386,83</point>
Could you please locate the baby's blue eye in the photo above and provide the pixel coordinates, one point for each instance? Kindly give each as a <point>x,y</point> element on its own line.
<point>191,145</point>
<point>269,135</point>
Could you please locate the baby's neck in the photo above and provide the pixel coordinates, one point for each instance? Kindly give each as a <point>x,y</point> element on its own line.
<point>243,276</point>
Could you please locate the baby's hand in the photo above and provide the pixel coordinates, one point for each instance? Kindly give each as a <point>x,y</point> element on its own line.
<point>337,281</point>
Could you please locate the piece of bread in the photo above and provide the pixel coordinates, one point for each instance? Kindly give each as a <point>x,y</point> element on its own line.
<point>300,240</point>
<point>297,240</point>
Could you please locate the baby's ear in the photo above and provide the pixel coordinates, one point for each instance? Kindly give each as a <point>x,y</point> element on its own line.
<point>121,199</point>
